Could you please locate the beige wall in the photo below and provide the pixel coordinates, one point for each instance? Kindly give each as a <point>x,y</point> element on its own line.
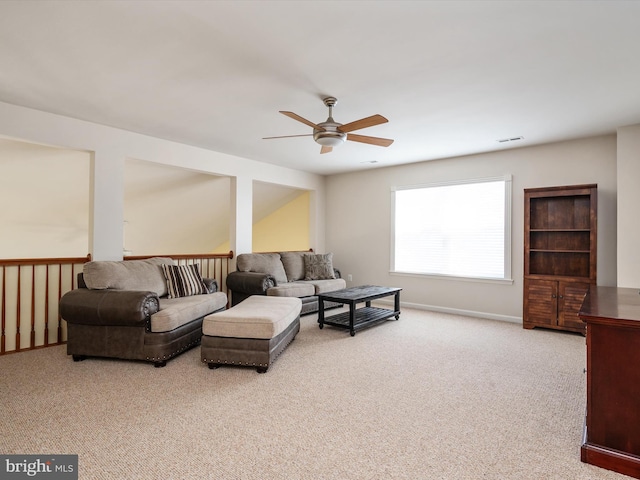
<point>44,193</point>
<point>171,210</point>
<point>167,209</point>
<point>358,219</point>
<point>111,147</point>
<point>629,206</point>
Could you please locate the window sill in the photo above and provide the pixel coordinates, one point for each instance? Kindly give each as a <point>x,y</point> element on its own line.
<point>499,281</point>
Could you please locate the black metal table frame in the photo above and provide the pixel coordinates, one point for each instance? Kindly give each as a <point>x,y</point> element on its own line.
<point>358,318</point>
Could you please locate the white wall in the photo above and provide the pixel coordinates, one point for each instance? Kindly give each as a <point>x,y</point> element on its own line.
<point>358,219</point>
<point>629,206</point>
<point>111,147</point>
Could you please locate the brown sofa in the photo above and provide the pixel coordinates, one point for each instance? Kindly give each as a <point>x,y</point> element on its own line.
<point>285,274</point>
<point>123,310</point>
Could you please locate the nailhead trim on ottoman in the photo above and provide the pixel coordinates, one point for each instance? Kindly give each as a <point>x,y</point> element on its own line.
<point>252,333</point>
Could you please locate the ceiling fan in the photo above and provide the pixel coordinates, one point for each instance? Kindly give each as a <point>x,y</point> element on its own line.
<point>330,134</point>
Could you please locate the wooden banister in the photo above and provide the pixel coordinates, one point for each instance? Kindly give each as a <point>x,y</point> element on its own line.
<point>25,295</point>
<point>183,256</point>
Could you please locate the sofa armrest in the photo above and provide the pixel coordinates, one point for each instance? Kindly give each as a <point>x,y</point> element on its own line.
<point>250,282</point>
<point>108,307</point>
<point>212,284</point>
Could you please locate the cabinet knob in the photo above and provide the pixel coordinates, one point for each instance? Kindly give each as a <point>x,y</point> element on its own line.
<point>560,296</point>
<point>553,295</point>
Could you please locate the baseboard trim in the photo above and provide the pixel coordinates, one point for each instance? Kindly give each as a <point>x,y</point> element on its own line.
<point>456,311</point>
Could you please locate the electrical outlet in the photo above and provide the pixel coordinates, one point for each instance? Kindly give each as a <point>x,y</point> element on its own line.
<point>350,278</point>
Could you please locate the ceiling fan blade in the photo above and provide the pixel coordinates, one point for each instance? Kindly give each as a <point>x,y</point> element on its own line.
<point>289,136</point>
<point>303,120</point>
<point>326,149</point>
<point>363,123</point>
<point>380,142</point>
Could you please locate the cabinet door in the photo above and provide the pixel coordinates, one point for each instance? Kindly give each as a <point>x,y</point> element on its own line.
<point>541,302</point>
<point>570,297</point>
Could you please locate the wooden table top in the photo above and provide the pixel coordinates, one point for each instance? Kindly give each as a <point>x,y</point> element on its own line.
<point>606,304</point>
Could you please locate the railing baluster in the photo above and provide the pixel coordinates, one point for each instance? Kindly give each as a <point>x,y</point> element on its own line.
<point>46,307</point>
<point>18,317</point>
<point>59,336</point>
<point>4,296</point>
<point>32,336</point>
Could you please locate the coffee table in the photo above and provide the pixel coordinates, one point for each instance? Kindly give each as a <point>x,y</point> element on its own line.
<point>358,318</point>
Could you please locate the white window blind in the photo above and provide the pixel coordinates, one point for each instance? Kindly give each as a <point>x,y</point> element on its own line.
<point>459,229</point>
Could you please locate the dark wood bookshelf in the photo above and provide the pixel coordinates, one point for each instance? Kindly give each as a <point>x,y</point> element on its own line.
<point>560,234</point>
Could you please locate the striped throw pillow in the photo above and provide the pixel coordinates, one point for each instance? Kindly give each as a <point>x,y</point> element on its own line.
<point>183,280</point>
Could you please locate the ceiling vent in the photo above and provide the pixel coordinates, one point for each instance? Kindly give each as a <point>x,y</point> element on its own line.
<point>512,139</point>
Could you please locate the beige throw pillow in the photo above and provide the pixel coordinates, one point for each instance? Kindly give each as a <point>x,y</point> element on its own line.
<point>268,263</point>
<point>127,275</point>
<point>318,266</point>
<point>293,265</point>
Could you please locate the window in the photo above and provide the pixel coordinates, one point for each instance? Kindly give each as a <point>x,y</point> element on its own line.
<point>455,229</point>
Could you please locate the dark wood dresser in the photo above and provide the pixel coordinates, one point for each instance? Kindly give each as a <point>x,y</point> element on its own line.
<point>612,427</point>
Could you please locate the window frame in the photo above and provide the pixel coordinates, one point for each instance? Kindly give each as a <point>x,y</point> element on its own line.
<point>507,274</point>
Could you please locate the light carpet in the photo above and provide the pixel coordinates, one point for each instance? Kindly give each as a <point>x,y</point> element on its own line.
<point>431,396</point>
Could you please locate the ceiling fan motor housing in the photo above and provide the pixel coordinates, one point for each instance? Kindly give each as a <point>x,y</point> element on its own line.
<point>331,136</point>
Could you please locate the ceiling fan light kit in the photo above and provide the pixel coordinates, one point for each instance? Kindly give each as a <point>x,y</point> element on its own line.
<point>331,134</point>
<point>329,139</point>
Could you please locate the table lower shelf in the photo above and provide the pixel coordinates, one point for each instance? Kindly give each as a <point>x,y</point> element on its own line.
<point>364,317</point>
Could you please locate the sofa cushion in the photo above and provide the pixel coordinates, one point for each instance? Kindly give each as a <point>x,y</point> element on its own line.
<point>292,289</point>
<point>269,263</point>
<point>183,280</point>
<point>329,285</point>
<point>175,312</point>
<point>257,317</point>
<point>141,275</point>
<point>318,266</point>
<point>293,263</point>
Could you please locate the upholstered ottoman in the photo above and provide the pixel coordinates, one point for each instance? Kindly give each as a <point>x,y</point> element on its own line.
<point>252,333</point>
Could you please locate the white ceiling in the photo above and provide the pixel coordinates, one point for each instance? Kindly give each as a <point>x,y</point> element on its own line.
<point>451,77</point>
